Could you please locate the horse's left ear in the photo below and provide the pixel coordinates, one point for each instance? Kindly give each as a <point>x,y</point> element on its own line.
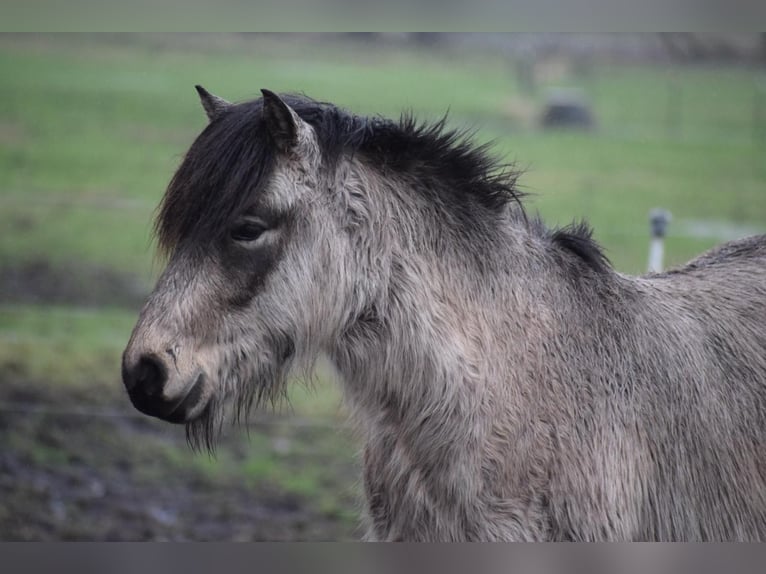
<point>281,121</point>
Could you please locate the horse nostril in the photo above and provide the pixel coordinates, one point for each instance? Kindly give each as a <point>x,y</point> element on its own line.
<point>148,376</point>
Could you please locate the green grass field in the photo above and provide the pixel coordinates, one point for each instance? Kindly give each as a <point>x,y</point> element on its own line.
<point>92,128</point>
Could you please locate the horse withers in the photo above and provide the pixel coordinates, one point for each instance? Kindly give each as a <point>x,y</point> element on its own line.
<point>508,383</point>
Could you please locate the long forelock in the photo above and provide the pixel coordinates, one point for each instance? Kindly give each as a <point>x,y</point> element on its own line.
<point>226,164</point>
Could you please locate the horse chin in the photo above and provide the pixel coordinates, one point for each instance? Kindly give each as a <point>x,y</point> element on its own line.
<point>237,395</point>
<point>204,428</point>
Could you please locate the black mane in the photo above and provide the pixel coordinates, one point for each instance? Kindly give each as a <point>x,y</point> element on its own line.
<point>577,239</point>
<point>234,156</point>
<point>442,161</point>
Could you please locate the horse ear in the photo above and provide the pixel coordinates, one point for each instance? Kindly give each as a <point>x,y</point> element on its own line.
<point>281,120</point>
<point>213,105</point>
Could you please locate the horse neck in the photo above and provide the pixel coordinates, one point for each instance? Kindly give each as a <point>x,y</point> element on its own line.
<point>427,342</point>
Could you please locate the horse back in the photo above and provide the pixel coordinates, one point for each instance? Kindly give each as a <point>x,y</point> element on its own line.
<point>748,253</point>
<point>727,281</point>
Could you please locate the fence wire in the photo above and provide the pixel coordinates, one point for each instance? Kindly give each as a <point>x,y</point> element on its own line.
<point>32,408</point>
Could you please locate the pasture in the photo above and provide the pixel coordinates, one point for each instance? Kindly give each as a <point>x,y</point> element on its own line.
<point>92,128</point>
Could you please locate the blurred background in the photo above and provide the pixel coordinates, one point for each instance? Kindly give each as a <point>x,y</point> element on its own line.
<point>607,127</point>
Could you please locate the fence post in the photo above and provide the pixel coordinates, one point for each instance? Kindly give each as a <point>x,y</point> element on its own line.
<point>658,221</point>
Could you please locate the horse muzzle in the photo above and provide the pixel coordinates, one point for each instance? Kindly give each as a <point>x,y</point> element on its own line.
<point>149,389</point>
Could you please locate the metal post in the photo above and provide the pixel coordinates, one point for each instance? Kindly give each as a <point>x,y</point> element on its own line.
<point>658,220</point>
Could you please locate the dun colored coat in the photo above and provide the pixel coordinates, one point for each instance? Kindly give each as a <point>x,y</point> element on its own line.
<point>509,384</point>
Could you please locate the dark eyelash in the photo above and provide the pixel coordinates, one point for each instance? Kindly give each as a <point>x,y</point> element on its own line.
<point>248,230</point>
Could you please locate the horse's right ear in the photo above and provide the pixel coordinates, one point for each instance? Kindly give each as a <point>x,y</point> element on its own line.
<point>213,105</point>
<point>281,121</point>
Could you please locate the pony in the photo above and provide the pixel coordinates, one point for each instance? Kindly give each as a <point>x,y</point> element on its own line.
<point>507,382</point>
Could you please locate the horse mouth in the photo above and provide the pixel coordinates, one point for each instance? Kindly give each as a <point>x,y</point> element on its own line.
<point>185,409</point>
<point>190,405</point>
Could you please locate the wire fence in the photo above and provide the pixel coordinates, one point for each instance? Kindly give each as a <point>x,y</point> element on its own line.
<point>91,412</point>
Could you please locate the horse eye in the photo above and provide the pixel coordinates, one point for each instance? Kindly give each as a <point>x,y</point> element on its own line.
<point>248,231</point>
